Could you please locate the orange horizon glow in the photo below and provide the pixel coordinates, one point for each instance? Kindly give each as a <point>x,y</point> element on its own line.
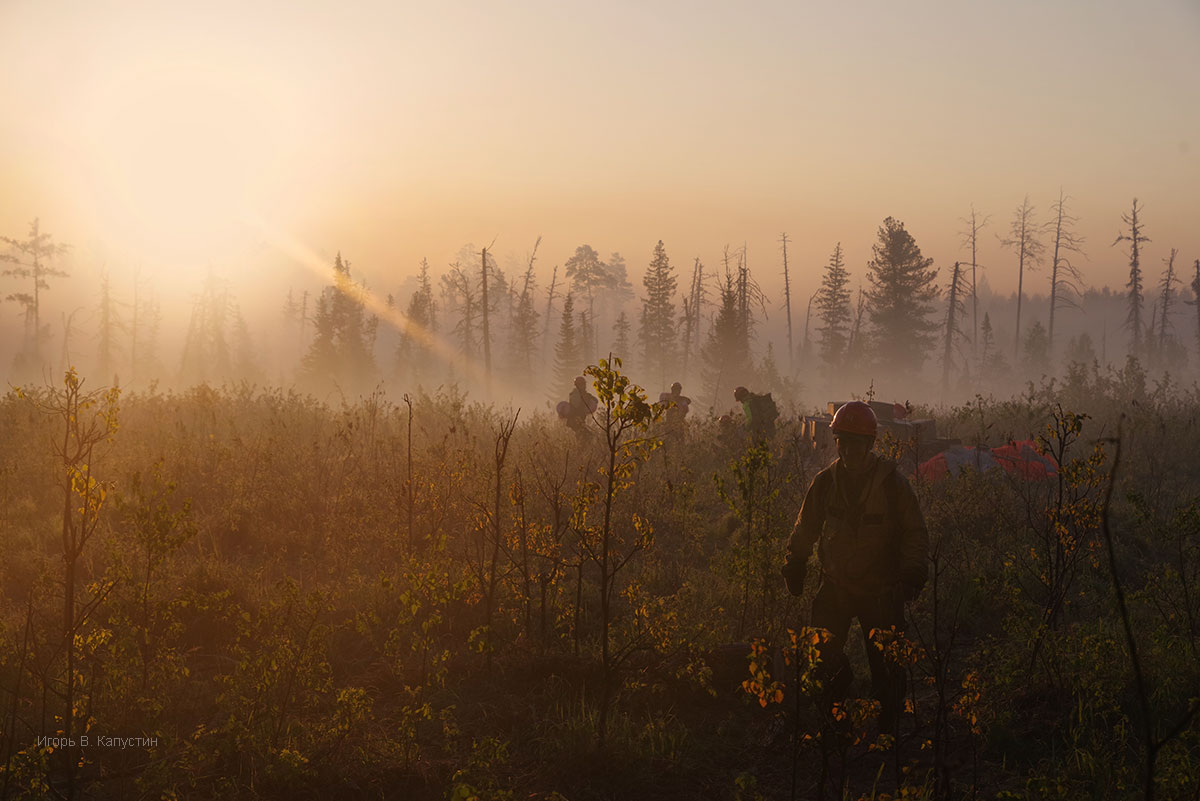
<point>158,134</point>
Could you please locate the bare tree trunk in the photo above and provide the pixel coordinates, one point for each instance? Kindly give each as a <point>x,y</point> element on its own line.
<point>1020,294</point>
<point>1063,274</point>
<point>549,310</point>
<point>971,237</point>
<point>487,336</point>
<point>1136,299</point>
<point>858,315</point>
<point>807,317</point>
<point>974,286</point>
<point>1022,238</point>
<point>787,302</point>
<point>1168,280</point>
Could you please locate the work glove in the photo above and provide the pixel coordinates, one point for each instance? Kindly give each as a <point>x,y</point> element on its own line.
<point>794,573</point>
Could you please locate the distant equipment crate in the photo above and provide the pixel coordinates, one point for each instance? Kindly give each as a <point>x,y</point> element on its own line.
<point>918,436</point>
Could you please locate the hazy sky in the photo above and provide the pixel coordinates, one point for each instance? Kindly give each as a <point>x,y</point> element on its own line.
<point>184,134</point>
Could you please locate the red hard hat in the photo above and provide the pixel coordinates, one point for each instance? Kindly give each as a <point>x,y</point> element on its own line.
<point>855,417</point>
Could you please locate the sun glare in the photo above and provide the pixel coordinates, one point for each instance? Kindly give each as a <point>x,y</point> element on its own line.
<point>176,165</point>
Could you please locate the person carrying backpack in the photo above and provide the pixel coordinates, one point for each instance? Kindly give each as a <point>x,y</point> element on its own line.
<point>761,412</point>
<point>578,406</point>
<point>871,539</point>
<point>677,409</point>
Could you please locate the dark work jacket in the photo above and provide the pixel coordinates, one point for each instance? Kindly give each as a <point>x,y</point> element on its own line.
<point>868,543</point>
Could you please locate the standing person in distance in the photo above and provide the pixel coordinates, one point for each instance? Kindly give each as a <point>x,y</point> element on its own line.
<point>676,415</point>
<point>871,541</point>
<point>580,405</point>
<point>760,411</point>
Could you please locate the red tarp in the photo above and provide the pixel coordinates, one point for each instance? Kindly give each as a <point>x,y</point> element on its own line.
<point>1020,459</point>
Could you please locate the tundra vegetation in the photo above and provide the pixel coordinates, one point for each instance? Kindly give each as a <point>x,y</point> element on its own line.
<point>277,598</point>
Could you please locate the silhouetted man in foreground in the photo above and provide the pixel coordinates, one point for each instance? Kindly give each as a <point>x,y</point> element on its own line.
<point>872,542</point>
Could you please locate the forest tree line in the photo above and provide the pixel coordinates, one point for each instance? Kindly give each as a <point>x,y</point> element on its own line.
<point>513,333</point>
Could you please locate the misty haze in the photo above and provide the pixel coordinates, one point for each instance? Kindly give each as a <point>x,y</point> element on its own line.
<point>561,401</point>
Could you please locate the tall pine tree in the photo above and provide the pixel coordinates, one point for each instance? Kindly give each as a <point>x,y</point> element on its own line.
<point>340,351</point>
<point>658,317</point>
<point>567,358</point>
<point>901,299</point>
<point>523,332</point>
<point>726,354</point>
<point>833,309</point>
<point>420,326</point>
<point>620,346</point>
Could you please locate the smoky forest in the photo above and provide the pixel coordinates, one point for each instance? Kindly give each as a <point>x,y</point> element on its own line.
<point>359,541</point>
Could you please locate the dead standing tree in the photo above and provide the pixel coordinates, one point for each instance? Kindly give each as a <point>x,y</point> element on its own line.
<point>1065,280</point>
<point>485,311</point>
<point>971,238</point>
<point>549,310</point>
<point>523,329</point>
<point>787,303</point>
<point>1022,238</point>
<point>691,312</point>
<point>1167,287</point>
<point>1136,239</point>
<point>458,291</point>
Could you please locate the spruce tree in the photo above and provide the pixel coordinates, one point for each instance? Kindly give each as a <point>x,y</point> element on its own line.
<point>991,361</point>
<point>523,332</point>
<point>340,351</point>
<point>461,296</point>
<point>322,354</point>
<point>1037,349</point>
<point>619,291</point>
<point>420,326</point>
<point>620,347</point>
<point>955,311</point>
<point>587,339</point>
<point>567,358</point>
<point>1166,288</point>
<point>726,354</point>
<point>245,365</point>
<point>658,316</point>
<point>206,354</point>
<point>900,299</point>
<point>833,309</point>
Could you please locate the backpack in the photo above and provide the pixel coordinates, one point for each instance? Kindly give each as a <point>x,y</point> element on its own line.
<point>764,409</point>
